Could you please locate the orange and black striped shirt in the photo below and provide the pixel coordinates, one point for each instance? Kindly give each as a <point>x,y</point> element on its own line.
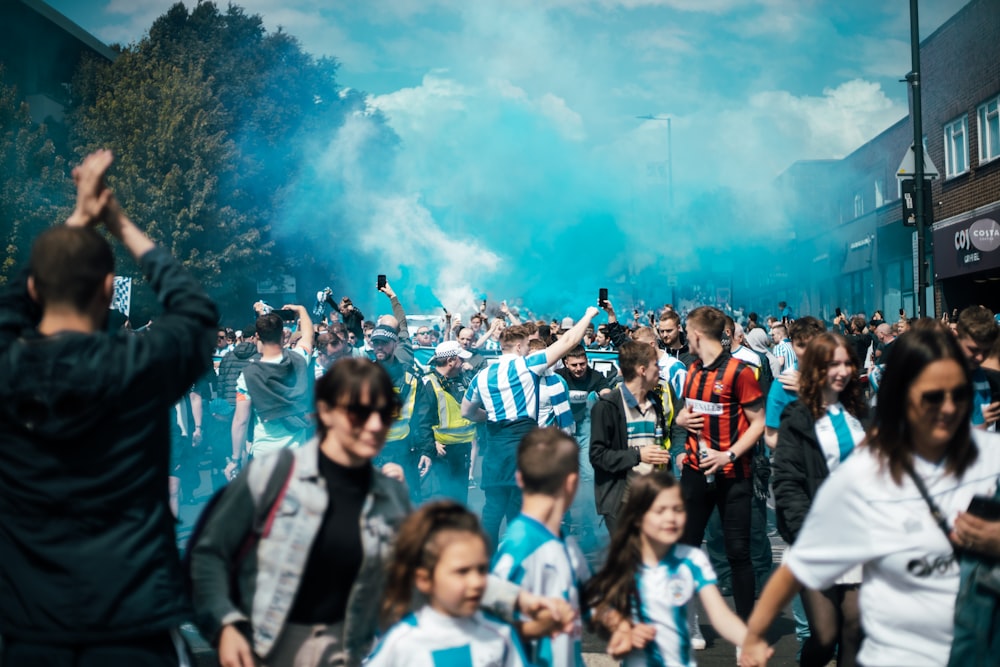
<point>719,391</point>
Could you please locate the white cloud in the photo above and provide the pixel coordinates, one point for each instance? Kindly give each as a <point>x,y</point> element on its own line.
<point>568,122</point>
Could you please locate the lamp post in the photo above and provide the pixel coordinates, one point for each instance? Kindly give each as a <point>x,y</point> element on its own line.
<point>913,78</point>
<point>670,158</point>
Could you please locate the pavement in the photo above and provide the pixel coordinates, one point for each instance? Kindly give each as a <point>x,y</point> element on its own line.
<point>718,652</point>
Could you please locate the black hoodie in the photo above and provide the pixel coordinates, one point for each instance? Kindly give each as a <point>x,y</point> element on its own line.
<point>87,545</point>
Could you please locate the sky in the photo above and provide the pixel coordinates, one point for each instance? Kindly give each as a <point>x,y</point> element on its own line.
<point>525,171</point>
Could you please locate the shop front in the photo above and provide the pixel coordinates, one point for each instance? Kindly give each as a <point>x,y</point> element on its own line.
<point>967,259</point>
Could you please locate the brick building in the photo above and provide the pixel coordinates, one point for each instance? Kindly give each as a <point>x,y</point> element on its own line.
<point>847,218</point>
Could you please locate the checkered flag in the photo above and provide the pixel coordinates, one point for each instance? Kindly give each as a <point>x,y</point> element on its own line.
<point>122,299</point>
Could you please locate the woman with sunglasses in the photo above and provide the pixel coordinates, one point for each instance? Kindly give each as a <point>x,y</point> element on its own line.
<point>308,585</point>
<point>874,511</point>
<point>818,432</point>
<point>305,591</point>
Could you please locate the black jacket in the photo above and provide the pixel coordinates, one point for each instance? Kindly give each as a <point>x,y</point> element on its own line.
<point>798,468</point>
<point>87,545</point>
<point>610,454</point>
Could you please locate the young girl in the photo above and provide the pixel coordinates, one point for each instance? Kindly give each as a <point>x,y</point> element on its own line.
<point>650,578</point>
<point>440,554</point>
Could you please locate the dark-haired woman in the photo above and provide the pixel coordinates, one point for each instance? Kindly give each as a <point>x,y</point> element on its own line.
<point>875,511</point>
<point>305,592</point>
<point>818,432</point>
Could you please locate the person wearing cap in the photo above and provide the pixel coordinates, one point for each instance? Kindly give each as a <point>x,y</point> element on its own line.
<point>438,415</point>
<point>506,396</point>
<point>402,446</point>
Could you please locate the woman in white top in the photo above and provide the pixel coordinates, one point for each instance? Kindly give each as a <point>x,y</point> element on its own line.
<point>871,512</point>
<point>817,433</point>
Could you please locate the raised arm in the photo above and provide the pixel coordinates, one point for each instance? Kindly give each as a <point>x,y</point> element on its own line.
<point>305,326</point>
<point>571,338</point>
<point>397,310</point>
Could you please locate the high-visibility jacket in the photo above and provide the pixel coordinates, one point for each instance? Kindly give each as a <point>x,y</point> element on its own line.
<point>669,412</point>
<point>400,429</point>
<point>451,428</point>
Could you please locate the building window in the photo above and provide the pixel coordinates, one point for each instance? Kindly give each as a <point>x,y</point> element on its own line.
<point>879,192</point>
<point>989,130</point>
<point>859,205</point>
<point>956,147</point>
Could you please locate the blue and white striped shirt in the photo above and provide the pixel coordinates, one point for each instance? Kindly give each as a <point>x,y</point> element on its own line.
<point>538,561</point>
<point>428,638</point>
<point>664,593</point>
<point>508,389</point>
<point>784,350</point>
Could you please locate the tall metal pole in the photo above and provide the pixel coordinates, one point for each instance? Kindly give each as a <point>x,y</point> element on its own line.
<point>918,162</point>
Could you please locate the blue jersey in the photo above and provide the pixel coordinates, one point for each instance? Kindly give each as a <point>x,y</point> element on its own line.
<point>428,638</point>
<point>508,389</point>
<point>778,399</point>
<point>674,372</point>
<point>980,396</point>
<point>540,562</point>
<point>664,593</point>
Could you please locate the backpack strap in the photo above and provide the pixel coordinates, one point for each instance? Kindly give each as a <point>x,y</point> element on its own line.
<point>270,501</point>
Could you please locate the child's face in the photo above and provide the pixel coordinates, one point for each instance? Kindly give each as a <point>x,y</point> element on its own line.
<point>457,584</point>
<point>663,522</point>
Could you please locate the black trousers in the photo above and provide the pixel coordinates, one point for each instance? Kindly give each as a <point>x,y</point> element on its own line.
<point>165,650</point>
<point>732,498</point>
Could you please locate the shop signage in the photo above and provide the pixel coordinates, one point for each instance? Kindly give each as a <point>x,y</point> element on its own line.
<point>968,247</point>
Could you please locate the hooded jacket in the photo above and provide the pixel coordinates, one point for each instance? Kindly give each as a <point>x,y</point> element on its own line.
<point>231,367</point>
<point>87,543</point>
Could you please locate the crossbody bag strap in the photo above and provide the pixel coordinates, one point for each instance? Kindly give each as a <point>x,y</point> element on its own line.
<point>936,512</point>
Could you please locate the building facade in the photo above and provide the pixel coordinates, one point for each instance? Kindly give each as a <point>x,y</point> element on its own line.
<point>847,215</point>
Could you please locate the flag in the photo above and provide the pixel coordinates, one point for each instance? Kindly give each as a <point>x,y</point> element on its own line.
<point>122,299</point>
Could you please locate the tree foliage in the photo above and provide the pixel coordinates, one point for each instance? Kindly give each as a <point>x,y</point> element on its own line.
<point>35,190</point>
<point>214,121</point>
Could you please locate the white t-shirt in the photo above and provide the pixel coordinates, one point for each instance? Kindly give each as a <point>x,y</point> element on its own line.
<point>860,516</point>
<point>428,638</point>
<point>664,593</point>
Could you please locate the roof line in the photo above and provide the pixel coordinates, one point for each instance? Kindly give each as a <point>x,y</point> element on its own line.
<point>70,27</point>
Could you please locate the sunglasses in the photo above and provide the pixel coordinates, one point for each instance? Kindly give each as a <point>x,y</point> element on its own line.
<point>935,398</point>
<point>360,414</point>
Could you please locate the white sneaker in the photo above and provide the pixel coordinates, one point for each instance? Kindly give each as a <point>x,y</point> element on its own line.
<point>698,642</point>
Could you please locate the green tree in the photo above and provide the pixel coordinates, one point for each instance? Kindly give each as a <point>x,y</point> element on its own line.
<point>35,190</point>
<point>216,123</point>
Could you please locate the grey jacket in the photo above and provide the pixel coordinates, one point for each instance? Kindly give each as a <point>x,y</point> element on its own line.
<point>268,577</point>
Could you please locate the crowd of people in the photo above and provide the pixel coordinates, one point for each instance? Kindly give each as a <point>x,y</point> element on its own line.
<point>343,450</point>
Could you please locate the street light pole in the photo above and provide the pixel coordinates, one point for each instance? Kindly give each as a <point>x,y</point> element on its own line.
<point>913,78</point>
<point>670,156</point>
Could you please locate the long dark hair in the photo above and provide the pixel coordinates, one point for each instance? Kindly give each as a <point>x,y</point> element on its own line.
<point>890,435</point>
<point>812,375</point>
<point>614,587</point>
<point>418,546</point>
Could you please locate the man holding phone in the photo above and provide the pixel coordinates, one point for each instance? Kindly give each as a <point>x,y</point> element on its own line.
<point>275,390</point>
<point>977,332</point>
